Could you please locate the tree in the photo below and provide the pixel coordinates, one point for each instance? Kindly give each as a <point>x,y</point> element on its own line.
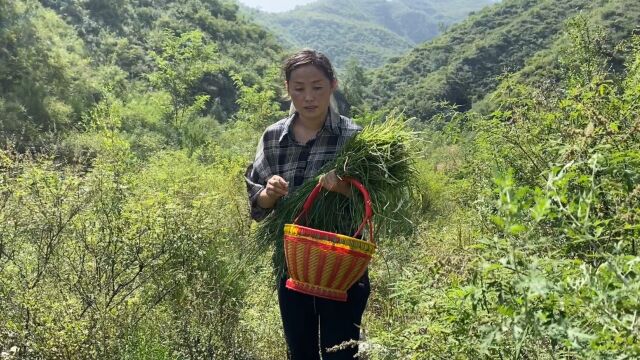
<point>182,62</point>
<point>45,78</point>
<point>355,85</point>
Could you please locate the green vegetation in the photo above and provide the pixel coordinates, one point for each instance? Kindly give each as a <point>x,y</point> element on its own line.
<point>381,157</point>
<point>119,238</point>
<point>371,31</point>
<point>554,269</point>
<point>126,127</point>
<point>465,65</point>
<point>61,58</point>
<point>47,83</point>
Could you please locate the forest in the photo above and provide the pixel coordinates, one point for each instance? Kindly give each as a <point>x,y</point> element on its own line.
<point>126,127</point>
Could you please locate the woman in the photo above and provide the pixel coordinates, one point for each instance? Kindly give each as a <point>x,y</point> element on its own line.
<point>290,152</point>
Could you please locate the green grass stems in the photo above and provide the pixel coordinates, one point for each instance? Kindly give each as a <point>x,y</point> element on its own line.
<point>382,158</point>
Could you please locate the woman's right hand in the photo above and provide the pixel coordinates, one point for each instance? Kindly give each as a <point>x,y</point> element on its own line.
<point>276,187</point>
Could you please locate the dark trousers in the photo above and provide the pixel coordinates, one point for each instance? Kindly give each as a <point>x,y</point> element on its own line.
<point>313,324</point>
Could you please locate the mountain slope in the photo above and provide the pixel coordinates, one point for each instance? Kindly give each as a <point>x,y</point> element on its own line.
<point>123,32</point>
<point>371,31</point>
<point>60,57</point>
<point>465,64</point>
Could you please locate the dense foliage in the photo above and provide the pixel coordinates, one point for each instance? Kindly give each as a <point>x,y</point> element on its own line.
<point>124,225</point>
<point>554,272</point>
<point>60,58</point>
<point>371,31</point>
<point>465,65</point>
<point>46,81</point>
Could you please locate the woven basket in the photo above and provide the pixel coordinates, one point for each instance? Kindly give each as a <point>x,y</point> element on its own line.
<point>326,264</point>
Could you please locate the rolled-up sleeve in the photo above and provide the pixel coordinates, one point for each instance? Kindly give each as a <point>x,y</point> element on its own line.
<point>256,177</point>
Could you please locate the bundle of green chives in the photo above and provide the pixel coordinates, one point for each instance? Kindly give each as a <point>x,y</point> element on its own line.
<point>382,158</point>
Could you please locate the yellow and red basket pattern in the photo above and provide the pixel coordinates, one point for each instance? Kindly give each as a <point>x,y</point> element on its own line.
<point>323,263</point>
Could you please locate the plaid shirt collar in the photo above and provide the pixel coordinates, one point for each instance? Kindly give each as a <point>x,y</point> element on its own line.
<point>332,124</point>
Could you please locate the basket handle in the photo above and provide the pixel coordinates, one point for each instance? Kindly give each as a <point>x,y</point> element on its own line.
<point>368,212</point>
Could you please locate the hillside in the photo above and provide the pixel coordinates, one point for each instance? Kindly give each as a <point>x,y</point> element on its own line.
<point>126,128</point>
<point>124,32</point>
<point>371,31</point>
<point>61,57</point>
<point>466,63</point>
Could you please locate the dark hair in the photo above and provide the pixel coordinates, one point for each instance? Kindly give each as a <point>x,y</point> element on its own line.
<point>309,57</point>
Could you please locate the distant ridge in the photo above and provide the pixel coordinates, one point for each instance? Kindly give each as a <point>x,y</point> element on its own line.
<point>371,31</point>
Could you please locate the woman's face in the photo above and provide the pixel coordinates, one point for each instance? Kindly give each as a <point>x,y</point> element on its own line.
<point>310,91</point>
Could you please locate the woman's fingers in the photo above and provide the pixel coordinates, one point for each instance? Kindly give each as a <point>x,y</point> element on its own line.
<point>277,187</point>
<point>280,184</point>
<point>283,184</point>
<point>329,180</point>
<point>276,191</point>
<point>332,182</point>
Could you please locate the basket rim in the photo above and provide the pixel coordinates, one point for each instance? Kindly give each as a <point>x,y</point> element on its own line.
<point>316,290</point>
<point>328,245</point>
<point>329,235</point>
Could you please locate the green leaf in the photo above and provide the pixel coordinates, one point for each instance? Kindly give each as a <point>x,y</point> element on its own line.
<point>516,229</point>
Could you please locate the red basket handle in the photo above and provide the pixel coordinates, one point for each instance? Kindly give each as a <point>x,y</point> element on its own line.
<point>368,212</point>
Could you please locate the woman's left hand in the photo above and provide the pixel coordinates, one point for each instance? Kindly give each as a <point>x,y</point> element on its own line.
<point>332,182</point>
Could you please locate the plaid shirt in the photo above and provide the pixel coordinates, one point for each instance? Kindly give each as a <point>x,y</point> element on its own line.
<point>279,154</point>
